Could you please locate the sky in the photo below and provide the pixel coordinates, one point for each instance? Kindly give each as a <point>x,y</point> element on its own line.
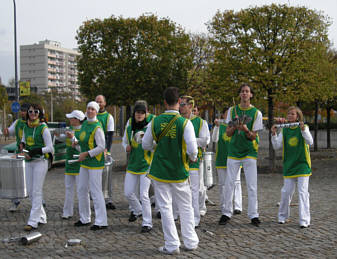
<point>59,20</point>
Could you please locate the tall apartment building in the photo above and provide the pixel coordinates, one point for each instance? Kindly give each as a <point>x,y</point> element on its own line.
<point>49,66</point>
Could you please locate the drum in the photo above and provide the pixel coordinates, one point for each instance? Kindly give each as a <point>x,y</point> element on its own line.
<point>12,177</point>
<point>208,169</point>
<point>106,176</point>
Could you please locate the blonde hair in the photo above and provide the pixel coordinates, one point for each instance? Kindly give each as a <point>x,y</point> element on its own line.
<point>298,112</point>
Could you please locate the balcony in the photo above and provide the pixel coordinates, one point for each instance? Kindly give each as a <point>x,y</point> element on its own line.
<point>51,62</point>
<point>51,55</point>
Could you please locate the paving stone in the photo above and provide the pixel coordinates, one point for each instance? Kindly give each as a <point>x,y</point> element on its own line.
<point>238,239</point>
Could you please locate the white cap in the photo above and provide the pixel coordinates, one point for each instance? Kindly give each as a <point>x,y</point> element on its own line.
<point>76,114</point>
<point>94,105</point>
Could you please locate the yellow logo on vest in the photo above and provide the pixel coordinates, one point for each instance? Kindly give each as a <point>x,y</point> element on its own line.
<point>293,142</point>
<point>82,136</point>
<point>20,133</point>
<point>172,133</point>
<point>68,142</point>
<point>225,137</point>
<point>30,141</point>
<point>134,144</point>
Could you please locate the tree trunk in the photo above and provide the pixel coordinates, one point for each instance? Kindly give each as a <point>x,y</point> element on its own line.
<point>316,126</point>
<point>328,140</point>
<point>272,164</point>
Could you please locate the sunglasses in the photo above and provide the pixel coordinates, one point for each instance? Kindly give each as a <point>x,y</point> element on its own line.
<point>35,111</point>
<point>183,104</point>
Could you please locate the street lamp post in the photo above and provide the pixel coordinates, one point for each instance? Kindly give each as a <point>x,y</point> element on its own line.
<point>50,90</point>
<point>15,57</point>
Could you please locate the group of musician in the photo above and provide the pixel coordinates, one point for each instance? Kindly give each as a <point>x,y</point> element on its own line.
<point>166,152</point>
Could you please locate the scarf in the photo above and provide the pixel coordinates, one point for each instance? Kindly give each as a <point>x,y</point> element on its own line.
<point>34,123</point>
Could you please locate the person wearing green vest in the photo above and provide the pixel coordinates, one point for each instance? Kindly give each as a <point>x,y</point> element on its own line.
<point>92,144</point>
<point>175,145</point>
<point>138,165</point>
<point>296,166</point>
<point>244,121</point>
<point>108,126</point>
<point>196,169</point>
<point>220,137</point>
<point>36,139</point>
<point>72,170</point>
<point>17,129</point>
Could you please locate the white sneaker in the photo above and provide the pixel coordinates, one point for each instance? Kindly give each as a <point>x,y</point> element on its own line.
<point>163,250</point>
<point>14,207</point>
<point>202,213</point>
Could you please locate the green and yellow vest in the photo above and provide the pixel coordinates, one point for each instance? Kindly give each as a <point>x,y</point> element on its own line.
<point>103,118</point>
<point>197,124</point>
<point>74,168</point>
<point>222,147</point>
<point>139,159</point>
<point>240,147</point>
<point>296,154</point>
<point>169,162</point>
<point>34,139</point>
<point>149,117</point>
<point>87,142</point>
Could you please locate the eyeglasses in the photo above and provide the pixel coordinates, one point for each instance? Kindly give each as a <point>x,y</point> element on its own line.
<point>183,104</point>
<point>35,111</point>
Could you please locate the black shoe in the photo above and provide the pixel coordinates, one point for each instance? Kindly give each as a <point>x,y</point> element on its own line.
<point>80,224</point>
<point>304,226</point>
<point>110,206</point>
<point>96,227</point>
<point>158,215</point>
<point>256,222</point>
<point>224,220</point>
<point>145,229</point>
<point>197,227</point>
<point>134,217</point>
<point>237,212</point>
<point>29,228</point>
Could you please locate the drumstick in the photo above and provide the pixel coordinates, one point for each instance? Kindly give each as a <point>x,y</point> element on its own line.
<point>236,115</point>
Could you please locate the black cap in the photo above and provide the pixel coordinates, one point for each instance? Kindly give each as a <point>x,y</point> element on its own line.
<point>24,107</point>
<point>140,107</point>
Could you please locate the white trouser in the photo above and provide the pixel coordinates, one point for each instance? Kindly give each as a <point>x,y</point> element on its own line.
<point>130,188</point>
<point>35,174</point>
<point>69,182</point>
<point>287,192</point>
<point>202,189</point>
<point>182,194</point>
<point>195,186</point>
<point>237,190</point>
<point>91,179</point>
<point>249,167</point>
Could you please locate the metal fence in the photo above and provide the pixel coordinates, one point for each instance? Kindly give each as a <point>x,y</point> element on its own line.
<point>321,136</point>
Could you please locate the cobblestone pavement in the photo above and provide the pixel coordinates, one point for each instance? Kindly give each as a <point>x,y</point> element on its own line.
<point>238,239</point>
